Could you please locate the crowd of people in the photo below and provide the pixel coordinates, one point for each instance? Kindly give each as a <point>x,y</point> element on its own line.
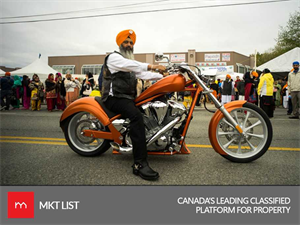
<point>262,90</point>
<point>58,92</point>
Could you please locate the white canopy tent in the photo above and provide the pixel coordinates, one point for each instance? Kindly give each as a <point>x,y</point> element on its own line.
<point>220,72</point>
<point>2,72</point>
<point>282,63</point>
<point>37,67</point>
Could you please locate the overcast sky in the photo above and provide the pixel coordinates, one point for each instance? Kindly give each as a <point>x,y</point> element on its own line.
<point>233,28</point>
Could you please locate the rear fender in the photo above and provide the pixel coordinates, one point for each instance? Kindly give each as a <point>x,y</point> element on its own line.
<point>87,104</point>
<point>90,105</point>
<point>215,120</point>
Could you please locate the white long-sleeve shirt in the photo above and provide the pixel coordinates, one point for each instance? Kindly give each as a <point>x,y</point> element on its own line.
<point>116,63</point>
<point>71,85</point>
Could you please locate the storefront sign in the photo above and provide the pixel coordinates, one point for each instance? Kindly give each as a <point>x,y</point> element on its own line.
<point>211,64</point>
<point>212,57</point>
<point>220,69</point>
<point>225,56</point>
<point>178,58</point>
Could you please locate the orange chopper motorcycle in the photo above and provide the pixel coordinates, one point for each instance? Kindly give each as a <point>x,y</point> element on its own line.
<point>238,131</point>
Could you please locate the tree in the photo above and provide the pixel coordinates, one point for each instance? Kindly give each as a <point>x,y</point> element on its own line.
<point>288,38</point>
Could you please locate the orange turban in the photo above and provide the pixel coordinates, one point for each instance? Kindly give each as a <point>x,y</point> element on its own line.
<point>7,74</point>
<point>121,37</point>
<point>255,74</point>
<point>228,76</point>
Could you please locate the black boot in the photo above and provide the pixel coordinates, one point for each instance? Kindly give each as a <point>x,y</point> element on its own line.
<point>144,171</point>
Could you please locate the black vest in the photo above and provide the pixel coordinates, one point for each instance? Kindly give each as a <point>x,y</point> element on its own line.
<point>123,83</point>
<point>227,88</point>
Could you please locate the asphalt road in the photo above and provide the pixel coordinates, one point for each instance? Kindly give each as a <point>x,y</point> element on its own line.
<point>33,152</point>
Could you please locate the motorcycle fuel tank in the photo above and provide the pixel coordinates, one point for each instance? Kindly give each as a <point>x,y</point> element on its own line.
<point>172,83</point>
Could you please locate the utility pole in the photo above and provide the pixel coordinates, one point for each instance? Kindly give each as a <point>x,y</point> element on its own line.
<point>255,60</point>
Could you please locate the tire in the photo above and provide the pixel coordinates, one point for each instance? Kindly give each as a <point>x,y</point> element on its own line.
<point>82,145</point>
<point>252,145</point>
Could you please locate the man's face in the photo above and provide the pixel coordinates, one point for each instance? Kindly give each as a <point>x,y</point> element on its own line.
<point>126,49</point>
<point>237,77</point>
<point>127,44</point>
<point>296,67</point>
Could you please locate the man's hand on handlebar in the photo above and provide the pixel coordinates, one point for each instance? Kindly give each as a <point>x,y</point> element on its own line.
<point>161,69</point>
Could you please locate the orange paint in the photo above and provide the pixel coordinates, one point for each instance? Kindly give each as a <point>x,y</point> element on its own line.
<point>172,83</point>
<point>213,125</point>
<point>87,104</point>
<point>98,134</point>
<point>240,130</point>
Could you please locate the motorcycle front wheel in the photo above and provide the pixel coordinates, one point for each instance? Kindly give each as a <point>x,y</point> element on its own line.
<point>245,147</point>
<point>83,145</point>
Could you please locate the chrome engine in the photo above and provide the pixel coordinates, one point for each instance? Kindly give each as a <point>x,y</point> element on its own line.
<point>161,120</point>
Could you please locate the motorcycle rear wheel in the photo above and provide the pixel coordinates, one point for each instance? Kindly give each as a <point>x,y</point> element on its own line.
<point>243,148</point>
<point>82,145</point>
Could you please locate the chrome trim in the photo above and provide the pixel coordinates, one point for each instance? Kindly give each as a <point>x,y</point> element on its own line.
<point>230,119</point>
<point>215,100</point>
<point>146,107</point>
<point>120,149</point>
<point>162,131</point>
<point>178,109</point>
<point>160,109</point>
<point>118,124</point>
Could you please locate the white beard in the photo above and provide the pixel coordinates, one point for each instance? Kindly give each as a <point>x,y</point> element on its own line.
<point>126,53</point>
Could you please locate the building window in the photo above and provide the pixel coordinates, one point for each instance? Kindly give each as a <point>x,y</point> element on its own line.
<point>91,68</point>
<point>240,68</point>
<point>248,68</point>
<point>64,69</point>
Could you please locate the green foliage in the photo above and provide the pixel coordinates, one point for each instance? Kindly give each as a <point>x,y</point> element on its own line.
<point>288,38</point>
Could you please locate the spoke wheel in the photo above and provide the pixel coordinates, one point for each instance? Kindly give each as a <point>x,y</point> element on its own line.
<point>255,140</point>
<point>83,145</point>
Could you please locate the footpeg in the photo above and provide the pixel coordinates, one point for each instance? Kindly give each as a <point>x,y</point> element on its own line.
<point>120,149</point>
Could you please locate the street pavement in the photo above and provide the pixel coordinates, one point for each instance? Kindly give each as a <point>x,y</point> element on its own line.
<point>34,152</point>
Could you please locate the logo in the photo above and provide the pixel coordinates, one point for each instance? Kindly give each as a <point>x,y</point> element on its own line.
<point>20,204</point>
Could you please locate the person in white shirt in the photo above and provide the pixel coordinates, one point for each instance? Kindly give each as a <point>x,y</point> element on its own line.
<point>70,85</point>
<point>294,89</point>
<point>120,72</point>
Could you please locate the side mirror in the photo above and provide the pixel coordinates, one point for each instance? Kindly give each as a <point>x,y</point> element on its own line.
<point>159,56</point>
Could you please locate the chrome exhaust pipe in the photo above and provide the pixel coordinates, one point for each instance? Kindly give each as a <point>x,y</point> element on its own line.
<point>123,149</point>
<point>162,131</point>
<point>120,149</point>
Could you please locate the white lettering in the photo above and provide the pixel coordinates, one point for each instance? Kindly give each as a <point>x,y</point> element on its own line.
<point>49,205</point>
<point>69,205</point>
<point>20,205</point>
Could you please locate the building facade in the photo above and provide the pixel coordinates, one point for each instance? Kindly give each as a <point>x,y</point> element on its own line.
<point>93,63</point>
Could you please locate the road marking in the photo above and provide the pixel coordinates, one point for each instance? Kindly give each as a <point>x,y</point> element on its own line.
<point>34,142</point>
<point>61,141</point>
<point>243,147</point>
<point>32,138</point>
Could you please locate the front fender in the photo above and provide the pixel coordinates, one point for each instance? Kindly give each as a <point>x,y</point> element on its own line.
<point>215,120</point>
<point>86,104</point>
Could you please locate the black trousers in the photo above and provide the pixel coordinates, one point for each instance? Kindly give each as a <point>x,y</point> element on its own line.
<point>7,95</point>
<point>127,109</point>
<point>267,104</point>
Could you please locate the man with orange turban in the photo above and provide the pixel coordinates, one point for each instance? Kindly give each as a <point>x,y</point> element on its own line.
<point>120,72</point>
<point>227,89</point>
